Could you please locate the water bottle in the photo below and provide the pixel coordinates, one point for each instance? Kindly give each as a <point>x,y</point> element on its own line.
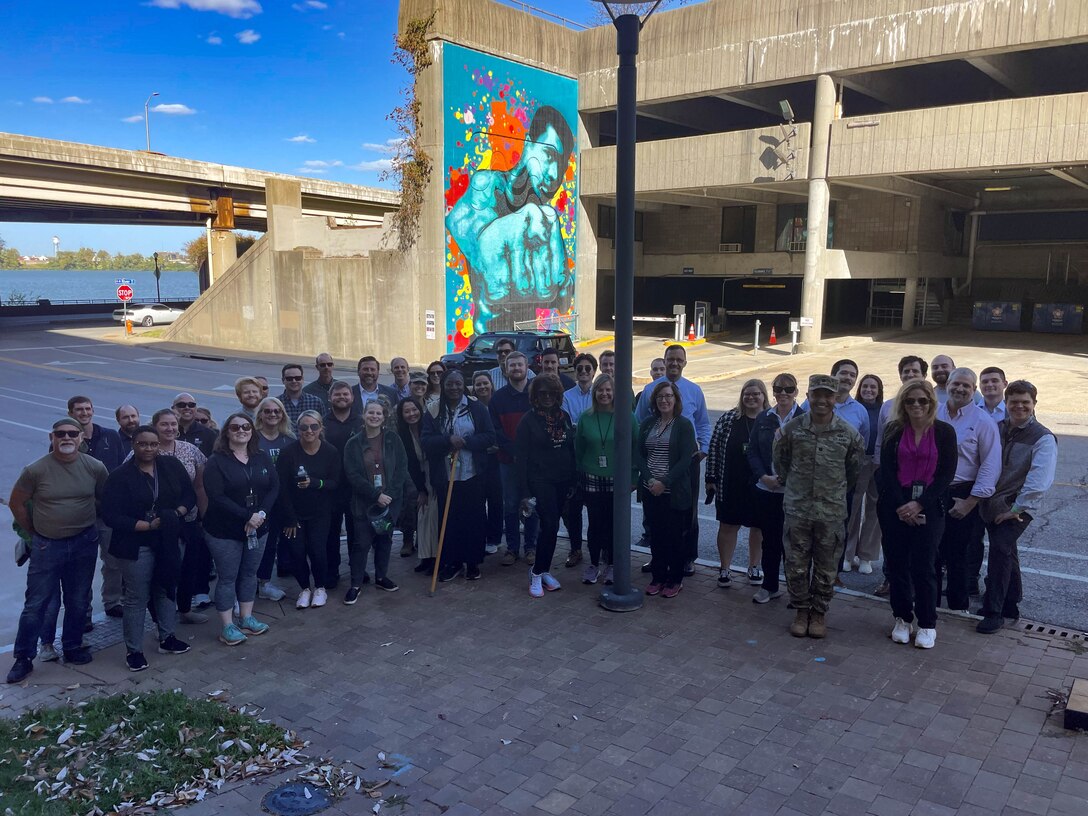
<point>530,509</point>
<point>251,540</point>
<point>301,476</point>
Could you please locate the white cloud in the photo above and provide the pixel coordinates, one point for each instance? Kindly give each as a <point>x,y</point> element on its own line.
<point>302,138</point>
<point>132,119</point>
<point>341,35</point>
<point>310,5</point>
<point>214,39</point>
<point>43,100</point>
<point>174,110</point>
<point>389,148</point>
<point>313,171</point>
<point>75,100</point>
<point>376,166</point>
<point>247,37</point>
<point>318,165</point>
<point>239,9</point>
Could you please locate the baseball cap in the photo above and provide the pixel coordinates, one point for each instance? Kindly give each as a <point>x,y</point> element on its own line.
<point>825,382</point>
<point>417,376</point>
<point>60,423</point>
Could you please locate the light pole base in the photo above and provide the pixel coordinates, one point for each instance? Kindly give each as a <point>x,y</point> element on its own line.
<point>616,602</point>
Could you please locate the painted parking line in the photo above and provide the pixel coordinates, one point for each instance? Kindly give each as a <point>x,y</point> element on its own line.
<point>21,425</point>
<point>91,375</point>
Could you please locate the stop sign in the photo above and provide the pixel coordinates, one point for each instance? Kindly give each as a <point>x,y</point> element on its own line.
<point>124,292</point>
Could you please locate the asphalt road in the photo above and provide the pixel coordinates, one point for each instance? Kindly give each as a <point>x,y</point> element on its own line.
<point>40,367</point>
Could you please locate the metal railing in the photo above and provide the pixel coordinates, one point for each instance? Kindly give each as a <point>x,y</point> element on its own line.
<point>565,323</point>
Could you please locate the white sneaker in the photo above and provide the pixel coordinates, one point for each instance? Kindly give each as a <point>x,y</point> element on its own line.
<point>491,549</point>
<point>865,568</point>
<point>271,592</point>
<point>47,653</point>
<point>549,582</point>
<point>321,597</point>
<point>926,638</point>
<point>535,585</point>
<point>304,599</point>
<point>901,631</point>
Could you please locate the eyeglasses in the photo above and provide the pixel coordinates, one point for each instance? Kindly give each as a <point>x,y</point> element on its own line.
<point>784,389</point>
<point>202,420</point>
<point>239,428</point>
<point>271,411</point>
<point>311,427</point>
<point>753,395</point>
<point>292,379</point>
<point>185,405</point>
<point>919,401</point>
<point>67,434</point>
<point>436,373</point>
<point>583,368</point>
<point>154,444</point>
<point>326,365</point>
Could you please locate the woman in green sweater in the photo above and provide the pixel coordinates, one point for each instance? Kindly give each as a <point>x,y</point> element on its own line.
<point>594,455</point>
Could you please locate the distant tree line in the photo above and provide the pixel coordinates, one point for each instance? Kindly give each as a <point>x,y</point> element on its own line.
<point>193,255</point>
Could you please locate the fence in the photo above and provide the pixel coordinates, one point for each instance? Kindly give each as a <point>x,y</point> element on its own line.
<point>564,323</point>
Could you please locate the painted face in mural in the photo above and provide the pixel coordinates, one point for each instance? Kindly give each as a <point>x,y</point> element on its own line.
<point>511,194</point>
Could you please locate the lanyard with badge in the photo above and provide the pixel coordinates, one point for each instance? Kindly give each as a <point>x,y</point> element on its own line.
<point>602,460</point>
<point>153,513</point>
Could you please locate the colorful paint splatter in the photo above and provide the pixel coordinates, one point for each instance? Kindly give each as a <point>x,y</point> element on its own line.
<point>511,192</point>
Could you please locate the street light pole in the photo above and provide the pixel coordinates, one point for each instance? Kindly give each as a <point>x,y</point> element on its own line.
<point>147,123</point>
<point>621,596</point>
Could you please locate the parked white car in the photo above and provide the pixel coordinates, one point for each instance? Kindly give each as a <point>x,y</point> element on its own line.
<point>148,314</point>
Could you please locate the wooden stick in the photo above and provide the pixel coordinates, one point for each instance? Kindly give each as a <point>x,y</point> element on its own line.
<point>445,516</point>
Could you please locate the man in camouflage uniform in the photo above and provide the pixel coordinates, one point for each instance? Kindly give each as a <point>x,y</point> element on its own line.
<point>816,457</point>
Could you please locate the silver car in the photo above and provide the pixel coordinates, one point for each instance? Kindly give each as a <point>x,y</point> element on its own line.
<point>148,314</point>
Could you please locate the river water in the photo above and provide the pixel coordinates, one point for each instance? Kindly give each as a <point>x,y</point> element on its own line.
<point>89,284</point>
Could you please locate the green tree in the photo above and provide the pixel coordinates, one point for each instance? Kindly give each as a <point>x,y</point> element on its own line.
<point>9,258</point>
<point>196,251</point>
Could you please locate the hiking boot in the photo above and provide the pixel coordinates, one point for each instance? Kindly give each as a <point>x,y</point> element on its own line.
<point>799,627</point>
<point>574,559</point>
<point>509,559</point>
<point>883,591</point>
<point>530,556</point>
<point>816,626</point>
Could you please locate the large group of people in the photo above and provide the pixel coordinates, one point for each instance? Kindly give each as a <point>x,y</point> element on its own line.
<point>824,483</point>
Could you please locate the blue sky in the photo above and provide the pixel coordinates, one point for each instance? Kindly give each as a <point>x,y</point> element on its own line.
<point>291,86</point>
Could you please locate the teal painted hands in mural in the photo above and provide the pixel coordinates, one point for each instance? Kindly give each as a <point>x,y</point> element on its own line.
<point>511,235</point>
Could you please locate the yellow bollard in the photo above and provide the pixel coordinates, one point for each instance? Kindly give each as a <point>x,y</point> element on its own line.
<point>128,327</point>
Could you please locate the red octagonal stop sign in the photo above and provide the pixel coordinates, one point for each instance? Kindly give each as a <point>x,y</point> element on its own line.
<point>124,292</point>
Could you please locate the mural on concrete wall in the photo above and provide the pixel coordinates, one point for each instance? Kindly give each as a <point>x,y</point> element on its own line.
<point>511,192</point>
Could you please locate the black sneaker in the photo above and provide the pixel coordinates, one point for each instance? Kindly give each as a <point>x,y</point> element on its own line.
<point>351,596</point>
<point>366,578</point>
<point>386,584</point>
<point>472,573</point>
<point>648,567</point>
<point>448,573</point>
<point>21,670</point>
<point>136,661</point>
<point>689,568</point>
<point>173,646</point>
<point>115,611</point>
<point>78,657</point>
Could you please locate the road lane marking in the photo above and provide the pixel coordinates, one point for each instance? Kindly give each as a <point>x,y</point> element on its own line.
<point>76,362</point>
<point>1059,553</point>
<point>21,425</point>
<point>106,377</point>
<point>149,359</point>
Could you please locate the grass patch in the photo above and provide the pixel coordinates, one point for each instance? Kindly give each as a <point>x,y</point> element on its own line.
<point>153,333</point>
<point>159,748</point>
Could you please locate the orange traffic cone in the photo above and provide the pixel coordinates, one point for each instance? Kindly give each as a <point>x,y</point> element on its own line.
<point>691,332</point>
<point>774,337</point>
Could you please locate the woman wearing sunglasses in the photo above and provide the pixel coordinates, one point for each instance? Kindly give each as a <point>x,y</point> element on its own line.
<point>768,492</point>
<point>273,435</point>
<point>309,473</point>
<point>917,465</point>
<point>434,386</point>
<point>241,484</point>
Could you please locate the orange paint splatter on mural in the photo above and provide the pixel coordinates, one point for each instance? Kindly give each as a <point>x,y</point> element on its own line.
<point>507,137</point>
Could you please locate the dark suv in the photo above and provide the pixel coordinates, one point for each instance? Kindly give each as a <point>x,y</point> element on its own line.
<point>480,353</point>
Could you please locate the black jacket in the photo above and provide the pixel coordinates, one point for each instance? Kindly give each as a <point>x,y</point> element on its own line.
<point>934,498</point>
<point>436,443</point>
<point>324,469</point>
<point>227,483</point>
<point>538,457</point>
<point>127,498</point>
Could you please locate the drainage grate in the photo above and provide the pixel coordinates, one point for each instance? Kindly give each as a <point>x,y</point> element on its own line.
<point>1052,631</point>
<point>295,799</point>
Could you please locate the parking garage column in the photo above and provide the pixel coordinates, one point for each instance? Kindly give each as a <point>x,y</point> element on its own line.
<point>910,300</point>
<point>819,197</point>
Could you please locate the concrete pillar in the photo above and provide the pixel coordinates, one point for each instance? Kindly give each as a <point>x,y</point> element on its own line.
<point>819,198</point>
<point>223,252</point>
<point>910,302</point>
<point>585,285</point>
<point>283,203</point>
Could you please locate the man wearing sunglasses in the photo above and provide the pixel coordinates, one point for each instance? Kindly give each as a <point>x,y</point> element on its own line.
<point>294,399</point>
<point>63,487</point>
<point>576,401</point>
<point>325,378</point>
<point>190,429</point>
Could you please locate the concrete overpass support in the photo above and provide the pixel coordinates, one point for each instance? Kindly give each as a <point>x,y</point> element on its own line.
<point>819,197</point>
<point>910,302</point>
<point>224,246</point>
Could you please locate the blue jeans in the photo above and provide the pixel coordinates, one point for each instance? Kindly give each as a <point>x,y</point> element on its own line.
<point>236,565</point>
<point>140,587</point>
<point>58,565</point>
<point>511,498</point>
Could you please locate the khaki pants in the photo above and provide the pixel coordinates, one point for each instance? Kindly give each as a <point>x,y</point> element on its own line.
<point>812,561</point>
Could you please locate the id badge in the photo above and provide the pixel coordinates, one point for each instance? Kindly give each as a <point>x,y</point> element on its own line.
<point>602,461</point>
<point>251,501</point>
<point>378,480</point>
<point>916,490</point>
<point>744,448</point>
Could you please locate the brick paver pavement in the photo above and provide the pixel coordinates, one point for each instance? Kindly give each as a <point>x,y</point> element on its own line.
<point>500,704</point>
